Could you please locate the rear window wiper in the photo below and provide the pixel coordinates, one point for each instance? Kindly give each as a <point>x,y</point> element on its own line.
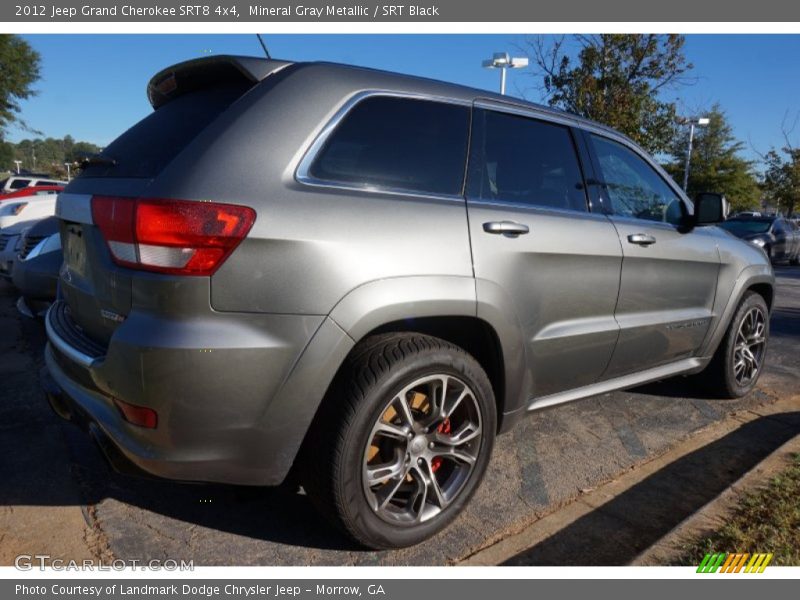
<point>97,160</point>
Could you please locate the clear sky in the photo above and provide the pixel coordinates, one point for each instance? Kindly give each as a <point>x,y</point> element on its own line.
<point>93,86</point>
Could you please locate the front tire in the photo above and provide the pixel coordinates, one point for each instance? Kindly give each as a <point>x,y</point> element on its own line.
<point>739,360</point>
<point>402,440</point>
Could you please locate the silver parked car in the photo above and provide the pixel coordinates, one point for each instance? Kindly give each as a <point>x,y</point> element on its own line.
<point>777,236</point>
<point>365,277</point>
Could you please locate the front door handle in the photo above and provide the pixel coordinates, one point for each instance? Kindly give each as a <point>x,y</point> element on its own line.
<point>642,239</point>
<point>505,228</point>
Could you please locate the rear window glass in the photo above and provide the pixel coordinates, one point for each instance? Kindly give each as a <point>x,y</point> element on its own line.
<point>151,144</point>
<point>18,184</point>
<point>398,143</point>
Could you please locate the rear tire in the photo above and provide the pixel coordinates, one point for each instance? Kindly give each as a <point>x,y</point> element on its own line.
<point>739,360</point>
<point>402,440</point>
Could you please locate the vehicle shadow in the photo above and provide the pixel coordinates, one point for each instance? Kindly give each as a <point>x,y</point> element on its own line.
<point>618,531</point>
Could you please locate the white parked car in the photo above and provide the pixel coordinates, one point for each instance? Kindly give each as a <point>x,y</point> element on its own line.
<point>18,182</point>
<point>16,216</point>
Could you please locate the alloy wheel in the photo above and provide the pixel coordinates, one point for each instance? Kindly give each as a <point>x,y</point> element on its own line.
<point>748,351</point>
<point>422,449</point>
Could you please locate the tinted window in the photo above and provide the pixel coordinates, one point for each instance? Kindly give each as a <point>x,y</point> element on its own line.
<point>399,143</point>
<point>743,227</point>
<point>633,187</point>
<point>522,160</point>
<point>147,147</point>
<point>18,184</point>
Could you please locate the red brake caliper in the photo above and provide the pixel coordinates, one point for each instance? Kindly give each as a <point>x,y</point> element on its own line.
<point>444,428</point>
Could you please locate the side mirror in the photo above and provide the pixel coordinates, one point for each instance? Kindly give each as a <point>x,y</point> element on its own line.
<point>710,208</point>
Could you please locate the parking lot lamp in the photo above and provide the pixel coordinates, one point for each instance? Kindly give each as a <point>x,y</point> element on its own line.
<point>18,163</point>
<point>502,61</point>
<point>692,122</point>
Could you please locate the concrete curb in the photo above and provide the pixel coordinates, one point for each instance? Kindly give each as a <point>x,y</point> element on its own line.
<point>547,526</point>
<point>714,514</point>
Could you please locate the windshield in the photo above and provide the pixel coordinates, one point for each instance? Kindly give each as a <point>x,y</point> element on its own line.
<point>743,227</point>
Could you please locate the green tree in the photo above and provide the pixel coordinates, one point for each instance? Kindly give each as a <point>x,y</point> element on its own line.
<point>617,80</point>
<point>782,178</point>
<point>52,153</point>
<point>716,164</point>
<point>6,156</point>
<point>19,69</point>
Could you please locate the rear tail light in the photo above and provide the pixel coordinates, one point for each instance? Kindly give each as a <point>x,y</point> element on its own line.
<point>137,415</point>
<point>170,236</point>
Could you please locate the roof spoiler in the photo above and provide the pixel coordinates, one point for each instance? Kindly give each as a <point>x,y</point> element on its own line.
<point>200,73</point>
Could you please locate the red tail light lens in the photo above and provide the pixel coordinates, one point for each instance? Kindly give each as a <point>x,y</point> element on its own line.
<point>171,236</point>
<point>137,415</point>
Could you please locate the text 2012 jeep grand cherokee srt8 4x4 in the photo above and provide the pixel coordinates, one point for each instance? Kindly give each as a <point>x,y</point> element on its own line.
<point>366,276</point>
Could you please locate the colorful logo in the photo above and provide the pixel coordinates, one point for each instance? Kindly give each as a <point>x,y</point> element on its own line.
<point>725,562</point>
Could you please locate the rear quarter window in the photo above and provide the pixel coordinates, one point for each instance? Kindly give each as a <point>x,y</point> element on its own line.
<point>398,144</point>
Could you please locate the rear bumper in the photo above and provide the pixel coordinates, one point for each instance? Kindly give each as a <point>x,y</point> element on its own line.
<point>69,410</point>
<point>218,388</point>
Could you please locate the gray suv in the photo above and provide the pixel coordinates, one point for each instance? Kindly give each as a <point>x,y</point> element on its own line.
<point>362,278</point>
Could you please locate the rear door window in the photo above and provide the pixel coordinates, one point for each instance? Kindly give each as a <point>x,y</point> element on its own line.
<point>522,160</point>
<point>399,144</point>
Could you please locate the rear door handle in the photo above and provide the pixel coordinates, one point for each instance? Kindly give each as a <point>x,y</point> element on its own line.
<point>505,228</point>
<point>642,239</point>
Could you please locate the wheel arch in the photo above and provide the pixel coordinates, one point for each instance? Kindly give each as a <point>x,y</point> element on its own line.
<point>472,334</point>
<point>756,278</point>
<point>441,306</point>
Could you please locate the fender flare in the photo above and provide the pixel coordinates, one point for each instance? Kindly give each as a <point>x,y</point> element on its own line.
<point>749,276</point>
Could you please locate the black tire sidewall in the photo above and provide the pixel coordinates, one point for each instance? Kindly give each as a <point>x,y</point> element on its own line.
<point>750,301</point>
<point>359,517</point>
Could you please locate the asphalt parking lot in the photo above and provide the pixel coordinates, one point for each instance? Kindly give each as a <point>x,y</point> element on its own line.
<point>57,486</point>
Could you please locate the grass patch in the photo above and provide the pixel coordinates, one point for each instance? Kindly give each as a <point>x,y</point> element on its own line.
<point>766,520</point>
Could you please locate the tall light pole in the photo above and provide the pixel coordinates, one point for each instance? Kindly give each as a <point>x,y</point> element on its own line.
<point>692,122</point>
<point>18,163</point>
<point>502,61</point>
<point>66,164</point>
